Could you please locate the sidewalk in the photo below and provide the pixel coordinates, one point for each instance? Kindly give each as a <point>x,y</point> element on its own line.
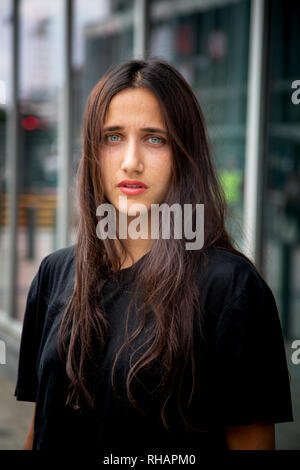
<point>15,416</point>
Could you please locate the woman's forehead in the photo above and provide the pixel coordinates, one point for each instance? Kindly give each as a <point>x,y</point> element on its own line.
<point>134,105</point>
<point>136,96</point>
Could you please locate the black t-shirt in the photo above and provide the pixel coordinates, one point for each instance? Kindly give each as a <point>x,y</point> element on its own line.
<point>241,375</point>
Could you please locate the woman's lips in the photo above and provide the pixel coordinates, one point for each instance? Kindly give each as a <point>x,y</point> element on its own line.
<point>131,191</point>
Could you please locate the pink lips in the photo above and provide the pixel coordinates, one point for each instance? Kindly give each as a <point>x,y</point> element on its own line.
<point>132,191</point>
<point>135,182</point>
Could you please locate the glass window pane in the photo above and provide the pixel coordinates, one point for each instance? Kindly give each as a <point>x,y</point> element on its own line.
<point>5,82</point>
<point>281,224</point>
<point>281,221</point>
<point>41,39</point>
<point>209,45</point>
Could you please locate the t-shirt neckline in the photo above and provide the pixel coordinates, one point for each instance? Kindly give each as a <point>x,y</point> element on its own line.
<point>127,273</point>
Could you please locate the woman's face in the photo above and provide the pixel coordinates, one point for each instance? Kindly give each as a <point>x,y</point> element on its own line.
<point>135,146</point>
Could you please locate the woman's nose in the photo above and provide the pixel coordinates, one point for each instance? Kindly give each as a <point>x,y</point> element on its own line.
<point>132,157</point>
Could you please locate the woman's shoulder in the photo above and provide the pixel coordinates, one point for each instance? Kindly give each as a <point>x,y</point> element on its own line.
<point>230,266</point>
<point>58,265</point>
<point>59,257</point>
<point>223,258</point>
<point>247,346</point>
<point>229,276</point>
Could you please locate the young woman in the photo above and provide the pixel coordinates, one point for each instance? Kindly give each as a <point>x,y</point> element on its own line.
<point>141,342</point>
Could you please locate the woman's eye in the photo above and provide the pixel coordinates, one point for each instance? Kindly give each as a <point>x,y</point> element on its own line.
<point>113,137</point>
<point>155,139</point>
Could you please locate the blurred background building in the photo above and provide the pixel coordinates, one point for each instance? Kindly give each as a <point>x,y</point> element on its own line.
<point>241,57</point>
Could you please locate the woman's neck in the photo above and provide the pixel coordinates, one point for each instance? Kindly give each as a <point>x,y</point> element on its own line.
<point>136,248</point>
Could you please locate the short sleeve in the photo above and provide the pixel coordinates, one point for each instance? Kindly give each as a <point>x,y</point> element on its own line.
<point>251,377</point>
<point>27,381</point>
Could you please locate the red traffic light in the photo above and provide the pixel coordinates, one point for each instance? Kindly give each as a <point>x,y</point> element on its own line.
<point>30,123</point>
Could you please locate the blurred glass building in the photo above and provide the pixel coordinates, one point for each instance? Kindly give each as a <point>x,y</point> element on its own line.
<point>241,57</point>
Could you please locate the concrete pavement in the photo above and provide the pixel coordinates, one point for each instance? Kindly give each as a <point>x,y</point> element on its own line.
<point>15,416</point>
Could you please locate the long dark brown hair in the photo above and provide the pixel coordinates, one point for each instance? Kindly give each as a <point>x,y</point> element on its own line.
<point>166,280</point>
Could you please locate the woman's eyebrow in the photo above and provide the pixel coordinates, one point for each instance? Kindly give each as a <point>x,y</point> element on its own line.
<point>147,129</point>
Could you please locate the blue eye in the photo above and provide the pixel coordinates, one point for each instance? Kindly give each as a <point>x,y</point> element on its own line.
<point>156,137</point>
<point>115,138</point>
<point>112,135</point>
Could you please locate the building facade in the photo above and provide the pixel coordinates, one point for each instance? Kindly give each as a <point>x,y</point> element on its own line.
<point>242,59</point>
